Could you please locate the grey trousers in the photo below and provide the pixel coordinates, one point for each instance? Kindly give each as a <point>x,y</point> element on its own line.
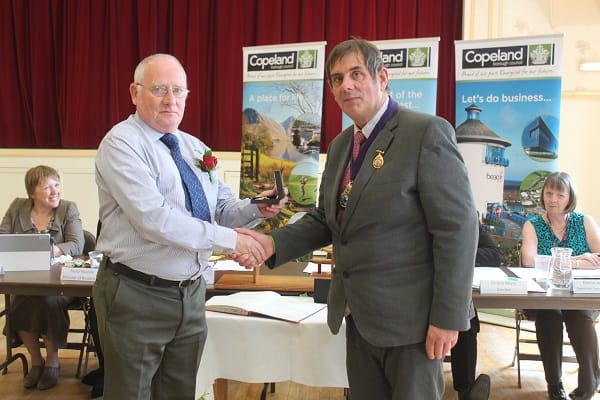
<point>390,373</point>
<point>152,337</point>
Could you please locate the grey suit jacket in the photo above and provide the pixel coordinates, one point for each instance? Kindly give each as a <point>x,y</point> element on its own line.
<point>405,250</point>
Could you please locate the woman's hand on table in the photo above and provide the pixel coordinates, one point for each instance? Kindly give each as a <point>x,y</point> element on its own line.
<point>588,261</point>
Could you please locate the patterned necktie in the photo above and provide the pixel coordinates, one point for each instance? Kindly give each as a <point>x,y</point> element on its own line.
<point>359,139</point>
<point>195,199</point>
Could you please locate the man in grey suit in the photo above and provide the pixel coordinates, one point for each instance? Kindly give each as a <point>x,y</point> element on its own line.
<point>400,214</point>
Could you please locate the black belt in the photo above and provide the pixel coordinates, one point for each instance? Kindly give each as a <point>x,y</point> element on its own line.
<point>139,276</point>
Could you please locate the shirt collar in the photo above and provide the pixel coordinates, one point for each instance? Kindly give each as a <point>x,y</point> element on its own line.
<point>369,126</point>
<point>154,134</point>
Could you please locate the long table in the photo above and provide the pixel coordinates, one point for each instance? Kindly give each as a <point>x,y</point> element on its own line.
<point>260,350</point>
<point>557,300</point>
<point>46,283</point>
<point>43,283</point>
<point>35,283</point>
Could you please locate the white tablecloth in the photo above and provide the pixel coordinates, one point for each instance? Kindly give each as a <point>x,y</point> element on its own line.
<point>260,350</point>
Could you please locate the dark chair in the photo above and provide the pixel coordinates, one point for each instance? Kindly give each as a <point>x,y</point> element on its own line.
<point>95,378</point>
<point>526,335</point>
<point>89,242</point>
<point>86,345</point>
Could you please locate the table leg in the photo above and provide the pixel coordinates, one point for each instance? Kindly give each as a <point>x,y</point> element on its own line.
<point>266,386</point>
<point>220,389</point>
<point>10,357</point>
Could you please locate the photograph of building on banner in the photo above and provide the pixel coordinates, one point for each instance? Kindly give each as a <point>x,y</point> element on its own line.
<point>412,66</point>
<point>508,95</point>
<point>281,124</point>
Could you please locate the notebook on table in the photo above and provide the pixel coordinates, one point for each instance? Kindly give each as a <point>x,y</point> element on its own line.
<point>25,251</point>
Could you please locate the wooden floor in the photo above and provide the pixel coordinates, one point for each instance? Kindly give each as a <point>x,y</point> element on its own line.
<point>495,357</point>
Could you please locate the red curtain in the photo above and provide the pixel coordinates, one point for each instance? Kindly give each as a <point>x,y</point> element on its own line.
<point>66,65</point>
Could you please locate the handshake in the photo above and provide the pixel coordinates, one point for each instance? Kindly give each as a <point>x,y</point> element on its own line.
<point>253,248</point>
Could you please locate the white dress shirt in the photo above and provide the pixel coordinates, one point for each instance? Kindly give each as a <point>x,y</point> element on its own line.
<point>145,224</point>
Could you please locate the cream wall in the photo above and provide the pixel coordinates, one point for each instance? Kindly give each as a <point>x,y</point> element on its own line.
<point>579,21</point>
<point>76,168</point>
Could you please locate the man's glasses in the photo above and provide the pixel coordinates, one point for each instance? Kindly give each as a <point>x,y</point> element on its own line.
<point>161,90</point>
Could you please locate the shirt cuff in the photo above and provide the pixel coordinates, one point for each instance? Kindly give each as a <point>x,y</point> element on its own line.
<point>225,238</point>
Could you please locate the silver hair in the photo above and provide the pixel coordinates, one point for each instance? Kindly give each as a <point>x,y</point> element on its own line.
<point>138,74</point>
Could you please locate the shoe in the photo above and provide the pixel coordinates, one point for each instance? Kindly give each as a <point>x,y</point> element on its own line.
<point>90,378</point>
<point>98,389</point>
<point>579,394</point>
<point>480,390</point>
<point>49,378</point>
<point>557,392</point>
<point>33,377</point>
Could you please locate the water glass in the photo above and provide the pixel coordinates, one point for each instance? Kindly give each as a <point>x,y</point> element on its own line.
<point>95,258</point>
<point>561,268</point>
<point>542,267</point>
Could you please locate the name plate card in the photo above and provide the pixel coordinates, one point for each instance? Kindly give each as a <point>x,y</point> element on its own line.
<point>78,274</point>
<point>586,285</point>
<point>503,286</point>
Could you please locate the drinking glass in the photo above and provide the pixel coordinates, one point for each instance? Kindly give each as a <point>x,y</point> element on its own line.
<point>561,268</point>
<point>95,258</point>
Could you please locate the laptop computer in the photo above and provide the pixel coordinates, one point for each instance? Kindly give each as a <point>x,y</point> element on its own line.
<point>25,251</point>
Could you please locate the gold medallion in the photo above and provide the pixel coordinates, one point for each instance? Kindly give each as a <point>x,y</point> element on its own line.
<point>345,194</point>
<point>378,160</point>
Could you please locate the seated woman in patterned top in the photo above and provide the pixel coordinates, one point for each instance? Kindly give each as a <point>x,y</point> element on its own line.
<point>562,226</point>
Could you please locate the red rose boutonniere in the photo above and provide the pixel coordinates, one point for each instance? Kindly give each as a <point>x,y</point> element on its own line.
<point>208,163</point>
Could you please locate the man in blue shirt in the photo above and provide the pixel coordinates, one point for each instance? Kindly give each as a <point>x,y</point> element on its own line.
<point>149,293</point>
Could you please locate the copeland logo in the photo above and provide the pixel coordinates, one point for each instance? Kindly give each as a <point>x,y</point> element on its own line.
<point>272,61</point>
<point>394,58</point>
<point>418,57</point>
<point>541,54</point>
<point>513,56</point>
<point>307,59</point>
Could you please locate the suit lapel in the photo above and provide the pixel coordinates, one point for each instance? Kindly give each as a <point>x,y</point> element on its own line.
<point>381,144</point>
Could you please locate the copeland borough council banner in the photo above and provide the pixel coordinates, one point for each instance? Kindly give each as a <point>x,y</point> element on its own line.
<point>508,95</point>
<point>412,66</point>
<point>281,123</point>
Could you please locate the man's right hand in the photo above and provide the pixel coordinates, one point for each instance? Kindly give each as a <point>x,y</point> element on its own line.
<point>254,258</point>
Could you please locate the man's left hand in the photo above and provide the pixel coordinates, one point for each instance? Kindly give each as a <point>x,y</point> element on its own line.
<point>439,342</point>
<point>270,210</point>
